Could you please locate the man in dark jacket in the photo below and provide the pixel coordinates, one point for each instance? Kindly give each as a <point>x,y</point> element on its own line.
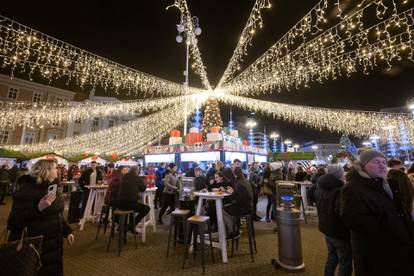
<point>4,182</point>
<point>90,176</point>
<point>382,241</point>
<point>254,179</point>
<point>129,195</point>
<point>229,172</point>
<point>337,235</point>
<point>159,182</point>
<point>200,179</point>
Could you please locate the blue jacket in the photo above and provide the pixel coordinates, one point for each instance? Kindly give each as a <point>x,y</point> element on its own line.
<point>159,177</point>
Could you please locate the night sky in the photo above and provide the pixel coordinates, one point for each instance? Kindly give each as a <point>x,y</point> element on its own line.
<point>141,34</point>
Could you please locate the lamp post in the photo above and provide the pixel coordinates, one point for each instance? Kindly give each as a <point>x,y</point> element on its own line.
<point>314,148</point>
<point>251,124</point>
<point>274,136</point>
<point>296,147</point>
<point>288,142</point>
<point>183,30</point>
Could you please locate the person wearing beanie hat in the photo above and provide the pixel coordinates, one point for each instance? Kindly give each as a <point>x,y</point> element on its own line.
<point>337,235</point>
<point>382,235</point>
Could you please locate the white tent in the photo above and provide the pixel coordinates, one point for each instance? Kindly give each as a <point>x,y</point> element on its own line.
<point>97,159</point>
<point>60,160</point>
<point>126,162</point>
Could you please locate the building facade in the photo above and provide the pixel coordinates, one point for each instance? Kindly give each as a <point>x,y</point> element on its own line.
<point>26,91</point>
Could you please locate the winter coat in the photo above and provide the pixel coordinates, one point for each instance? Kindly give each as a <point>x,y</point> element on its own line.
<point>242,199</point>
<point>84,180</point>
<point>160,174</point>
<point>300,176</point>
<point>228,173</point>
<point>49,223</point>
<point>114,183</point>
<point>200,183</point>
<point>328,204</point>
<point>131,187</point>
<point>382,241</point>
<point>4,177</point>
<point>171,183</point>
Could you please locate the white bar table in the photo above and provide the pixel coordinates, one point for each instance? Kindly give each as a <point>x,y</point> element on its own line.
<point>303,186</point>
<point>96,199</point>
<point>147,198</point>
<point>218,198</point>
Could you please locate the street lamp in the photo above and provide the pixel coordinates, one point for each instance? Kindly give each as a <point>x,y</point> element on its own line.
<point>314,148</point>
<point>274,136</point>
<point>251,124</point>
<point>296,147</point>
<point>183,33</point>
<point>288,143</point>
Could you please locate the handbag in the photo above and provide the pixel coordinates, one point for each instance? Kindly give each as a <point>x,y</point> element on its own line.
<point>21,257</point>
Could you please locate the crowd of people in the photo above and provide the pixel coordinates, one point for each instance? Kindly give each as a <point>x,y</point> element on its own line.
<point>365,210</point>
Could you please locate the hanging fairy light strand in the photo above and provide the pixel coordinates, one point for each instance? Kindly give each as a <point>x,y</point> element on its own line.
<point>310,24</point>
<point>357,123</point>
<point>122,138</point>
<point>30,51</point>
<point>43,114</point>
<point>254,22</point>
<point>198,65</point>
<point>330,54</point>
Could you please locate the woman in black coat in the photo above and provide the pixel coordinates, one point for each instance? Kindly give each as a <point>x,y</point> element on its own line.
<point>41,213</point>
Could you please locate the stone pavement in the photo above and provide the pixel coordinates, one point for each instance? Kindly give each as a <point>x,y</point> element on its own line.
<point>88,257</point>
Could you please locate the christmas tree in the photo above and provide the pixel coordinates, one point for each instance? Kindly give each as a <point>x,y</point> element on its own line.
<point>347,144</point>
<point>212,117</point>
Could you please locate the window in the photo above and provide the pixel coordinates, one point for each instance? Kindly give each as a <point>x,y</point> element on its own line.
<point>4,136</point>
<point>78,121</point>
<point>29,138</point>
<point>51,136</point>
<point>59,100</point>
<point>111,123</point>
<point>55,123</point>
<point>75,133</point>
<point>95,122</point>
<point>12,93</point>
<point>37,97</point>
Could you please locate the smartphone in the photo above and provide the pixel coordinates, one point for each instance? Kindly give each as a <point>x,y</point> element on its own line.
<point>52,189</point>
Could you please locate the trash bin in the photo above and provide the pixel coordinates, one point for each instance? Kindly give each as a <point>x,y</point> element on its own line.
<point>289,237</point>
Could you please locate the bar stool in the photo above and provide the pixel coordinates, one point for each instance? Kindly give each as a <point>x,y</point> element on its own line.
<point>104,218</point>
<point>250,234</point>
<point>122,236</point>
<point>197,226</point>
<point>298,199</point>
<point>177,216</point>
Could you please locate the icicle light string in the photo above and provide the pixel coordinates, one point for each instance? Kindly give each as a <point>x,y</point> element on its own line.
<point>297,67</point>
<point>43,114</point>
<point>122,138</point>
<point>357,123</point>
<point>31,51</point>
<point>254,22</point>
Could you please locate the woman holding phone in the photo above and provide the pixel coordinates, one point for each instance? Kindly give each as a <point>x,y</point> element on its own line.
<point>38,207</point>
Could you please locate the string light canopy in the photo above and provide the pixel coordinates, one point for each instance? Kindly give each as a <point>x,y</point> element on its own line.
<point>44,114</point>
<point>198,65</point>
<point>30,51</point>
<point>357,123</point>
<point>254,22</point>
<point>126,138</point>
<point>348,46</point>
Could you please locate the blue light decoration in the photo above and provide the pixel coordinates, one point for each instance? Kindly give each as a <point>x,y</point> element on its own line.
<point>392,150</point>
<point>231,123</point>
<point>265,141</point>
<point>282,145</point>
<point>251,138</point>
<point>196,123</point>
<point>405,144</point>
<point>375,139</point>
<point>274,146</point>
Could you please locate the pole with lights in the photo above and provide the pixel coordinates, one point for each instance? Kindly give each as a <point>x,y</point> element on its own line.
<point>296,147</point>
<point>288,143</point>
<point>315,148</point>
<point>251,124</point>
<point>274,136</point>
<point>183,34</point>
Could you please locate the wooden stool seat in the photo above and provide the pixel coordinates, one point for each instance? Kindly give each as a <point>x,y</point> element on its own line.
<point>198,219</point>
<point>123,212</point>
<point>180,212</point>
